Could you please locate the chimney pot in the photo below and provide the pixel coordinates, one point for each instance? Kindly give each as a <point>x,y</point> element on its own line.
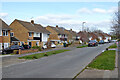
<point>32,21</point>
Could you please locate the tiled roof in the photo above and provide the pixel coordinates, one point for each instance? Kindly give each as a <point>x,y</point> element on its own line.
<point>58,30</point>
<point>4,26</point>
<point>73,33</point>
<point>33,27</point>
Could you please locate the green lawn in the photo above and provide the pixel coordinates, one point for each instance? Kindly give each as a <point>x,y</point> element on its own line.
<point>113,46</point>
<point>105,61</point>
<point>39,55</point>
<point>82,46</point>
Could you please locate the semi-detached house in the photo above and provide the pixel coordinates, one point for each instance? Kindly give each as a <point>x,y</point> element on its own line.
<point>4,35</point>
<point>58,34</point>
<point>29,33</point>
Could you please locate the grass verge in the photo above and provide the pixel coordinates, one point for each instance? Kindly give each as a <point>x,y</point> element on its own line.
<point>105,61</point>
<point>39,55</point>
<point>113,46</point>
<point>82,46</point>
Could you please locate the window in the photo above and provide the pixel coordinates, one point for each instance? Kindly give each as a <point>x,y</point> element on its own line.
<point>12,34</point>
<point>6,45</point>
<point>37,34</point>
<point>37,43</point>
<point>30,34</point>
<point>5,33</point>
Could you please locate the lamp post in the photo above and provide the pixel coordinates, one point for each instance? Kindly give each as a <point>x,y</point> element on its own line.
<point>83,29</point>
<point>83,25</point>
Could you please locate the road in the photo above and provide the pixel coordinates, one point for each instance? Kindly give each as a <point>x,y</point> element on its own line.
<point>63,65</point>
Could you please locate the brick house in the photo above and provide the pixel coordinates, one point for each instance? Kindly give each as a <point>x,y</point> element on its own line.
<point>4,35</point>
<point>93,36</point>
<point>29,33</point>
<point>83,36</point>
<point>58,35</point>
<point>107,37</point>
<point>72,35</point>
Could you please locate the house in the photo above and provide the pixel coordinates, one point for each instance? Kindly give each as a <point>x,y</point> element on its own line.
<point>58,34</point>
<point>28,33</point>
<point>72,35</point>
<point>83,36</point>
<point>107,37</point>
<point>4,35</point>
<point>93,36</point>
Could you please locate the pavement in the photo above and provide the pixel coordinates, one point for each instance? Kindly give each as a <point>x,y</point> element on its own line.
<point>100,73</point>
<point>63,65</point>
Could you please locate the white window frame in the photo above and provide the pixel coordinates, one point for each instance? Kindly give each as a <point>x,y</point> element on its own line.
<point>12,33</point>
<point>36,34</point>
<point>37,43</point>
<point>30,33</point>
<point>6,31</point>
<point>6,44</point>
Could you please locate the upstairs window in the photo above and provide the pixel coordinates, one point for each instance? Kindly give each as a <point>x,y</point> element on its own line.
<point>12,34</point>
<point>5,33</point>
<point>30,34</point>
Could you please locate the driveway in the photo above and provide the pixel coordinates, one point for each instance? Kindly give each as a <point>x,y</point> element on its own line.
<point>63,65</point>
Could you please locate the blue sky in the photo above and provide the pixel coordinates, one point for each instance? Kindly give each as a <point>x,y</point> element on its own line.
<point>64,14</point>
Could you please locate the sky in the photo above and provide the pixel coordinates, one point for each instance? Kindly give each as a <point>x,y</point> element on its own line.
<point>97,15</point>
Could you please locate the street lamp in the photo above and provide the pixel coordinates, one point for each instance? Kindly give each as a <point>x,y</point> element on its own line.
<point>83,25</point>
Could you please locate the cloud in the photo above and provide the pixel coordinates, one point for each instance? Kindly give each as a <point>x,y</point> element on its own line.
<point>71,22</point>
<point>97,10</point>
<point>84,10</point>
<point>2,15</point>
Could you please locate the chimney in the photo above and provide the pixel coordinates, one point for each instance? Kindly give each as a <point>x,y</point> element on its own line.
<point>56,26</point>
<point>70,29</point>
<point>32,21</point>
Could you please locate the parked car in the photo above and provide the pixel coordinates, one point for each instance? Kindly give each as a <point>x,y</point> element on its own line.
<point>53,45</point>
<point>92,43</point>
<point>11,49</point>
<point>27,46</point>
<point>101,42</point>
<point>44,46</point>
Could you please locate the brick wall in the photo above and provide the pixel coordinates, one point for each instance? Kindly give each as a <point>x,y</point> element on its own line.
<point>53,35</point>
<point>28,51</point>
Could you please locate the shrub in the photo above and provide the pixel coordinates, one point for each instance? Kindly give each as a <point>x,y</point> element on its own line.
<point>45,54</point>
<point>37,47</point>
<point>35,57</point>
<point>15,52</point>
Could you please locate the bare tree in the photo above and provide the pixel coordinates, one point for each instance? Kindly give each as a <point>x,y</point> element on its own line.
<point>116,25</point>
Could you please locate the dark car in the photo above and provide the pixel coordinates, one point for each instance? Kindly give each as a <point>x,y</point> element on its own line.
<point>92,43</point>
<point>27,46</point>
<point>11,49</point>
<point>101,42</point>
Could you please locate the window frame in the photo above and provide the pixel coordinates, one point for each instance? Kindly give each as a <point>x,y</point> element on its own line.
<point>12,33</point>
<point>5,32</point>
<point>30,33</point>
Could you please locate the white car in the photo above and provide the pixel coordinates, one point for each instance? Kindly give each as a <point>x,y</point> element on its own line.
<point>44,46</point>
<point>53,45</point>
